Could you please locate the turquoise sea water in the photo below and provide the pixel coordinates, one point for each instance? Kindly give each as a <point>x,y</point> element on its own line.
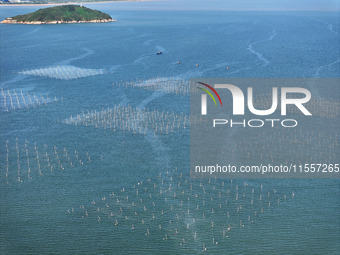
<point>70,69</point>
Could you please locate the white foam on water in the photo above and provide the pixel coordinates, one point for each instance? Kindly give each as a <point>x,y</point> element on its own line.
<point>32,32</point>
<point>140,59</point>
<point>258,54</point>
<point>320,68</point>
<point>329,26</point>
<point>165,85</point>
<point>160,48</point>
<point>125,100</point>
<point>147,100</point>
<point>160,150</point>
<point>113,69</point>
<point>68,61</point>
<point>137,37</point>
<point>16,78</point>
<point>158,147</point>
<point>148,42</point>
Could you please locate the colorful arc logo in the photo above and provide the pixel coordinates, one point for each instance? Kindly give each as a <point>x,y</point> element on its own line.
<point>204,97</point>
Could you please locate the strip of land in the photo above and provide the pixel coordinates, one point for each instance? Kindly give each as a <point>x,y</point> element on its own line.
<point>11,21</point>
<point>84,2</point>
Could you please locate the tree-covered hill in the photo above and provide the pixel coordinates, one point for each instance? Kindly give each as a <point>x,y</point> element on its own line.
<point>64,13</point>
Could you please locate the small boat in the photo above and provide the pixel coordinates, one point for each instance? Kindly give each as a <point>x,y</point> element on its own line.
<point>159,53</point>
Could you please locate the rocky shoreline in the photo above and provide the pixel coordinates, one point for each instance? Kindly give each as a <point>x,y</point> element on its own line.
<point>13,21</point>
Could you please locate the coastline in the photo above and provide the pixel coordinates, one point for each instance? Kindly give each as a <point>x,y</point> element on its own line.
<point>76,3</point>
<point>7,21</point>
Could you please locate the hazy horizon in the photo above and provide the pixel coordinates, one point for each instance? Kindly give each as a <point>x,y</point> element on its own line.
<point>236,5</point>
<point>308,5</point>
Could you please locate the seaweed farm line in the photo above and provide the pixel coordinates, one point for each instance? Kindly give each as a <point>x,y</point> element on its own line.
<point>133,119</point>
<point>192,213</point>
<point>65,72</point>
<point>23,162</point>
<point>12,100</point>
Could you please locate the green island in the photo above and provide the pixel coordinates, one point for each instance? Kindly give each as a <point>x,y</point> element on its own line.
<point>61,14</point>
